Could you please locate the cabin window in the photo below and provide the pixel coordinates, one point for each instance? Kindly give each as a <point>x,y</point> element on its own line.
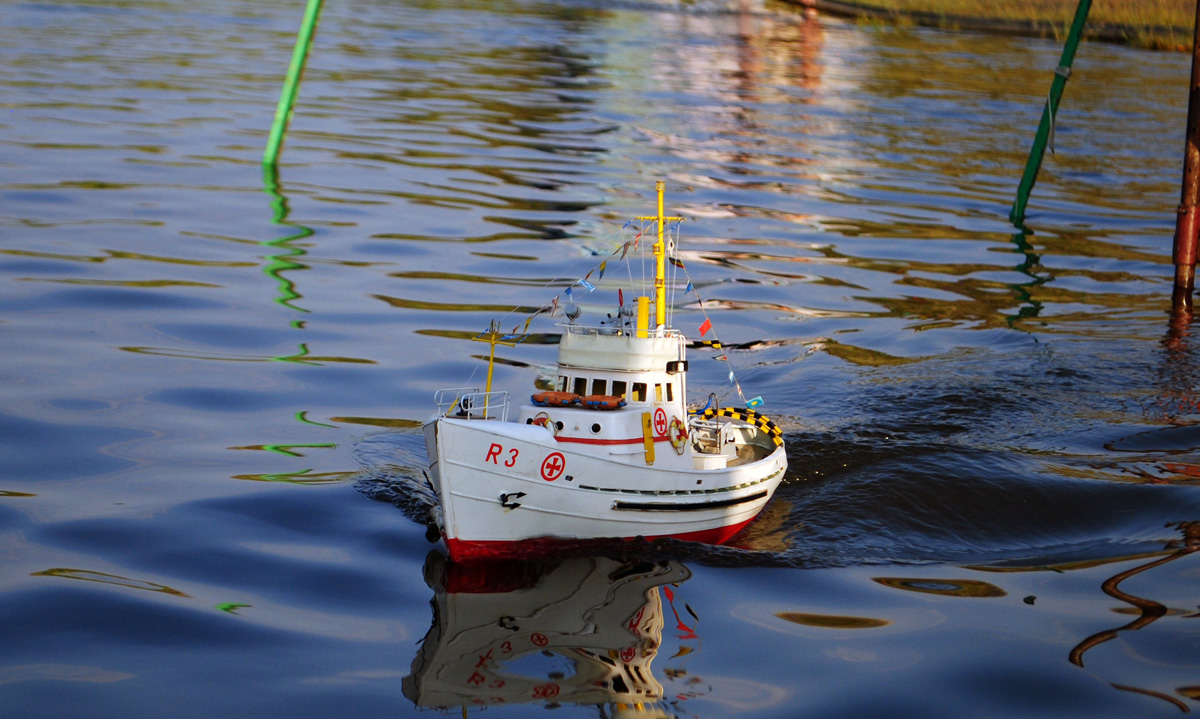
<point>639,391</point>
<point>581,385</point>
<point>599,386</point>
<point>671,392</point>
<point>619,387</point>
<point>658,393</point>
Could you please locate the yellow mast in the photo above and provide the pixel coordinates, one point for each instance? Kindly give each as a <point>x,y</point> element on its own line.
<point>660,264</point>
<point>660,259</point>
<point>492,337</point>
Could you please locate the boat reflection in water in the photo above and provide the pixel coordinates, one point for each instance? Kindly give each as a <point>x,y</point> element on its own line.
<point>583,630</point>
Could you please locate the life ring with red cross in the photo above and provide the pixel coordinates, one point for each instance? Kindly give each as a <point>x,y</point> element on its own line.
<point>677,433</point>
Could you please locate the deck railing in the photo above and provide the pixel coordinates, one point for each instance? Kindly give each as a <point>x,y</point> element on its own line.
<point>470,403</point>
<point>616,329</point>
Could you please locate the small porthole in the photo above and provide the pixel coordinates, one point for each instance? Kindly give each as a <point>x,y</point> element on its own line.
<point>559,425</point>
<point>596,428</point>
<point>529,420</point>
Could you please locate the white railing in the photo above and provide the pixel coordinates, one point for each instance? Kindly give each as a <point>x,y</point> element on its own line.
<point>470,403</point>
<point>710,435</point>
<point>627,330</point>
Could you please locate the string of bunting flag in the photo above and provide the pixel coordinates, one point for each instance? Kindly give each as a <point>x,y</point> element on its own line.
<point>565,299</point>
<point>715,344</point>
<point>521,332</point>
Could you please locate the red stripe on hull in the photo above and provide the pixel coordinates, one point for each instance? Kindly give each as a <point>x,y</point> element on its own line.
<point>589,440</point>
<point>471,551</point>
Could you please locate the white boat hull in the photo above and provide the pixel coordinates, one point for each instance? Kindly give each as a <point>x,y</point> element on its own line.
<point>509,489</point>
<point>608,449</point>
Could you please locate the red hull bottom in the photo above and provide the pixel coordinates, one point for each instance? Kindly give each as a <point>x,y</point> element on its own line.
<point>469,551</point>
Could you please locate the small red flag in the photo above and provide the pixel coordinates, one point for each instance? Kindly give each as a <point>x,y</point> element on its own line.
<point>620,298</point>
<point>704,328</point>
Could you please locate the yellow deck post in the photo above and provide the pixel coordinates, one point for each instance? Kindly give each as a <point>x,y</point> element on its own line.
<point>648,437</point>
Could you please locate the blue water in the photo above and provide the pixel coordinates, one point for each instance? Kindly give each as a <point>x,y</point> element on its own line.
<point>211,377</point>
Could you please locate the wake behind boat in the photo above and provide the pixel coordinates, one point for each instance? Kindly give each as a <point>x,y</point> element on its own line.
<point>611,453</point>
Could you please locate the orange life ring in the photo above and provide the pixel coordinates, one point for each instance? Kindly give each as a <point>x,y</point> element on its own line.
<point>602,401</point>
<point>554,399</point>
<point>677,433</point>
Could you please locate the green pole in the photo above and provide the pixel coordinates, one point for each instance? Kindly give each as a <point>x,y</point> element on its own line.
<point>1038,151</point>
<point>291,83</point>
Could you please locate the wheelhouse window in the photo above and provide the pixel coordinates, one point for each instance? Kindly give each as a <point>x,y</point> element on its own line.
<point>562,383</point>
<point>620,387</point>
<point>580,385</point>
<point>599,386</point>
<point>639,391</point>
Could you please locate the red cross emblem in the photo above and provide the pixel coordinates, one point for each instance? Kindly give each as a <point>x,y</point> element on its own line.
<point>545,691</point>
<point>660,422</point>
<point>553,466</point>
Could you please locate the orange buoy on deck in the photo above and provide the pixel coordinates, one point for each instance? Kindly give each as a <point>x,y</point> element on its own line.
<point>554,399</point>
<point>602,401</point>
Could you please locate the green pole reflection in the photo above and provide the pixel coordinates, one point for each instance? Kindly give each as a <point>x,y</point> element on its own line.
<point>284,259</point>
<point>1030,307</point>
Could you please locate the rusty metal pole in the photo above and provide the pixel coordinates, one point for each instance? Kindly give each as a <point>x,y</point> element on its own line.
<point>1187,222</point>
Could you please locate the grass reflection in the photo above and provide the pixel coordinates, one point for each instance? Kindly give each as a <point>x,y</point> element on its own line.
<point>379,422</point>
<point>832,621</point>
<point>304,476</point>
<point>944,587</point>
<point>289,449</point>
<point>301,357</point>
<point>87,575</point>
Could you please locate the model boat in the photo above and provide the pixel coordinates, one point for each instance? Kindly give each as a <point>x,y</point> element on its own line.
<point>611,452</point>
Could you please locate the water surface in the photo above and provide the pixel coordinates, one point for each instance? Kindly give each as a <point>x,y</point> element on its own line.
<point>212,375</point>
